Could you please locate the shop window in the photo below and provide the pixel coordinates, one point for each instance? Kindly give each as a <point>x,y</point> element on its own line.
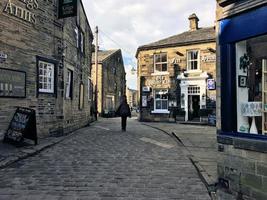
<point>193,60</point>
<point>160,62</point>
<point>161,100</point>
<point>46,77</point>
<point>251,84</point>
<point>69,84</point>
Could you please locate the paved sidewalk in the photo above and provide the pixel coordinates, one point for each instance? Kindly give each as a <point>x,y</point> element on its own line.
<point>10,154</point>
<point>201,145</point>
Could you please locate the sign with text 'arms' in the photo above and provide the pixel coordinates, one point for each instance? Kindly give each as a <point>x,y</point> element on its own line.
<point>22,125</point>
<point>67,8</point>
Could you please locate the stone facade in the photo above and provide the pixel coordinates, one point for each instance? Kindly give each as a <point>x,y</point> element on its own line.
<point>242,168</point>
<point>111,82</point>
<point>183,86</point>
<point>132,97</point>
<point>31,45</point>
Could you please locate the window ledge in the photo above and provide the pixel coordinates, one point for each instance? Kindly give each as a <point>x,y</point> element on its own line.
<point>160,73</point>
<point>161,111</point>
<point>193,71</point>
<point>250,144</point>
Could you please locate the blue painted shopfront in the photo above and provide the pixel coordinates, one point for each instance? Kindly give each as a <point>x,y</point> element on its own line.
<point>247,25</point>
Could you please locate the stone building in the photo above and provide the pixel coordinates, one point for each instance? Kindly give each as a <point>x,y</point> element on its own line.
<point>111,82</point>
<point>178,73</point>
<point>132,97</point>
<point>45,65</point>
<point>241,99</point>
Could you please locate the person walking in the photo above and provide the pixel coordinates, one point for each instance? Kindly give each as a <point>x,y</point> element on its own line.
<point>124,111</point>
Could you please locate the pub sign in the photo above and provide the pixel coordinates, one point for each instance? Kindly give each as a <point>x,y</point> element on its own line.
<point>67,8</point>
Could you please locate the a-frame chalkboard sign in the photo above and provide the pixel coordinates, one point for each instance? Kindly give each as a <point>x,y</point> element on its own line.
<point>22,125</point>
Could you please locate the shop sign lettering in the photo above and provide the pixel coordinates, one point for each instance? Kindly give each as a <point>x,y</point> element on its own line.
<point>24,14</point>
<point>208,58</point>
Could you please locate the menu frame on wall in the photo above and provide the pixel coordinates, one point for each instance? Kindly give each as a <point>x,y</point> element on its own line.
<point>7,86</point>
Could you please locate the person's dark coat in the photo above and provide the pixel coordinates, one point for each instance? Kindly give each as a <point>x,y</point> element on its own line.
<point>124,110</point>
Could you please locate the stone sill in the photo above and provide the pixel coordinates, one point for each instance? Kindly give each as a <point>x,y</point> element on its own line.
<point>243,143</point>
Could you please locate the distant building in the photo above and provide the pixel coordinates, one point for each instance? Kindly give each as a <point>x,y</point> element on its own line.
<point>111,84</point>
<point>242,99</point>
<point>132,97</point>
<point>45,65</point>
<point>178,73</point>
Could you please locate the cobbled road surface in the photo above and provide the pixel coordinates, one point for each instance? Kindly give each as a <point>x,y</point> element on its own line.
<point>102,162</point>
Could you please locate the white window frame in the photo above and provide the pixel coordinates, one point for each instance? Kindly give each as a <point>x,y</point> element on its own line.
<point>160,63</point>
<point>69,84</point>
<point>164,91</point>
<point>48,75</point>
<point>77,36</point>
<point>189,60</point>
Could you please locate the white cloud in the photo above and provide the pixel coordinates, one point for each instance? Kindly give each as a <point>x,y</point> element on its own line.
<point>131,23</point>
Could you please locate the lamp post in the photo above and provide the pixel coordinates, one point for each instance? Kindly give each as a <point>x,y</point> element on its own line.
<point>96,71</point>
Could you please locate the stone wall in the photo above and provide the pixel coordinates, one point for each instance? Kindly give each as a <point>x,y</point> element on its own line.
<point>23,41</point>
<point>114,82</point>
<point>177,63</point>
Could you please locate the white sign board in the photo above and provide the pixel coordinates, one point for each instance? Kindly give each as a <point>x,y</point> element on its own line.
<point>144,101</point>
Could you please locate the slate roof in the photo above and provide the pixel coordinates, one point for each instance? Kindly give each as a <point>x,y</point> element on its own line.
<point>202,35</point>
<point>103,55</point>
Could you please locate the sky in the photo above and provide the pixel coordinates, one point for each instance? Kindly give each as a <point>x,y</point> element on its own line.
<point>128,24</point>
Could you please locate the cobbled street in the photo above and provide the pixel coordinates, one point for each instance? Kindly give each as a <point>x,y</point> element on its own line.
<point>102,162</point>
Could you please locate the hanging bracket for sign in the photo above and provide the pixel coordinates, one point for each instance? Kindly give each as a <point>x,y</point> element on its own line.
<point>67,8</point>
<point>22,126</point>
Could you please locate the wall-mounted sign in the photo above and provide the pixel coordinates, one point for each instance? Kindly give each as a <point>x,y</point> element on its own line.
<point>176,60</point>
<point>208,58</point>
<point>25,13</point>
<point>211,84</point>
<point>12,83</point>
<point>158,81</point>
<point>3,56</point>
<point>67,8</point>
<point>146,89</point>
<point>144,101</point>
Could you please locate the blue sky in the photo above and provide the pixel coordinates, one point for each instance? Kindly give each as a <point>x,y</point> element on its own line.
<point>127,24</point>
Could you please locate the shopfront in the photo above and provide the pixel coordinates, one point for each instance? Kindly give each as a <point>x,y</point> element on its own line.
<point>242,128</point>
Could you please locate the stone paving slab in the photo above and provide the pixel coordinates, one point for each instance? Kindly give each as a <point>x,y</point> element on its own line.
<point>201,145</point>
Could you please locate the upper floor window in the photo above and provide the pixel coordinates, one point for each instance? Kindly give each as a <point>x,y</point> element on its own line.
<point>46,77</point>
<point>69,84</point>
<point>193,60</point>
<point>79,39</point>
<point>160,62</point>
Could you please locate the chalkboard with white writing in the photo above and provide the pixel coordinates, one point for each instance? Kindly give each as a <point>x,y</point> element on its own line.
<point>22,125</point>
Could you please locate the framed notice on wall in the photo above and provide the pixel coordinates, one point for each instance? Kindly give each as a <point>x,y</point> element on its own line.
<point>12,83</point>
<point>144,101</point>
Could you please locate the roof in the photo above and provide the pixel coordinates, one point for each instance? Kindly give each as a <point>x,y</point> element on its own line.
<point>103,55</point>
<point>201,35</point>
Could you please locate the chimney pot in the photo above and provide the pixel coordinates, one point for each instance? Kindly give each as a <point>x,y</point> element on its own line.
<point>193,19</point>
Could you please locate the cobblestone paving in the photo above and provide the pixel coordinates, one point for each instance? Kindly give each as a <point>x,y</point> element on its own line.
<point>101,162</point>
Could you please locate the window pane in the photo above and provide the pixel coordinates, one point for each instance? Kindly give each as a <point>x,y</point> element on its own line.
<point>157,58</point>
<point>164,96</point>
<point>158,67</point>
<point>158,104</point>
<point>195,54</point>
<point>164,58</point>
<point>164,67</point>
<point>195,64</point>
<point>165,105</point>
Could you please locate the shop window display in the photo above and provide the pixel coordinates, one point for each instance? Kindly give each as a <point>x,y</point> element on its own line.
<point>251,83</point>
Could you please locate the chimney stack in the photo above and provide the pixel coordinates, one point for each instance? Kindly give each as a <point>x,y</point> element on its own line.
<point>193,19</point>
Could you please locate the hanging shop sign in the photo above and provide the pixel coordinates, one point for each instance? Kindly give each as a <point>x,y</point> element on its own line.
<point>12,83</point>
<point>67,8</point>
<point>22,126</point>
<point>24,13</point>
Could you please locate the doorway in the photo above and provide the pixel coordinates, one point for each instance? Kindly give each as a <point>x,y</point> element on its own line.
<point>193,106</point>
